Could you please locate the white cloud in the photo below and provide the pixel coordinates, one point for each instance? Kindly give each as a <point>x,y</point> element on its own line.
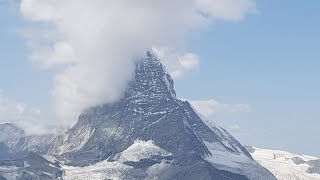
<point>93,42</point>
<point>22,115</point>
<point>177,63</point>
<point>232,10</point>
<point>234,127</point>
<point>211,107</point>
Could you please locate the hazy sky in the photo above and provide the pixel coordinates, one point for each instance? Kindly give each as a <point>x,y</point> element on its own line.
<point>257,76</point>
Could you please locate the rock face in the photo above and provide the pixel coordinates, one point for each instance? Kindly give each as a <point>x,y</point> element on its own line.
<point>14,143</point>
<point>165,133</point>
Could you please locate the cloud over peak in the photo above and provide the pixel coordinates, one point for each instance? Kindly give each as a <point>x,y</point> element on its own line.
<point>177,63</point>
<point>91,44</point>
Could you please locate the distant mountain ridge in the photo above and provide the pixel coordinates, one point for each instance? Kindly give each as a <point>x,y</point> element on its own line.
<point>14,142</point>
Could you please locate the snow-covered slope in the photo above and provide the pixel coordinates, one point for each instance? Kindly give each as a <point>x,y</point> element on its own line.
<point>120,168</point>
<point>287,166</point>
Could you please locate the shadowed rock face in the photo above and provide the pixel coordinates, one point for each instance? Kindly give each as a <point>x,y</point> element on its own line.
<point>314,165</point>
<point>4,151</point>
<point>149,110</point>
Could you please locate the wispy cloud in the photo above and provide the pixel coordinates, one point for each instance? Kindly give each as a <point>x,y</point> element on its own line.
<point>177,63</point>
<point>231,10</point>
<point>209,108</point>
<point>8,2</point>
<point>22,115</point>
<point>90,44</point>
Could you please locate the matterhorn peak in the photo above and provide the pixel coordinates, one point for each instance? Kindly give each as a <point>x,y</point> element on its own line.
<point>166,136</point>
<point>151,80</point>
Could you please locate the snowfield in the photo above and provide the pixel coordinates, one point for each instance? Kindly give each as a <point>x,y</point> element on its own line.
<point>100,171</point>
<point>287,166</point>
<point>117,169</point>
<point>141,150</point>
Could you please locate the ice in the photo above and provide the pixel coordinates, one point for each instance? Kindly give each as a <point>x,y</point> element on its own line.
<point>141,150</point>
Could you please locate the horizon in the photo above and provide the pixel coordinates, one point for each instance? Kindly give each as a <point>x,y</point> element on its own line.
<point>252,69</point>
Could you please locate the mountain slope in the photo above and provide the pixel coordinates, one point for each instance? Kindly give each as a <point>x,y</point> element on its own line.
<point>31,166</point>
<point>149,114</point>
<point>287,166</point>
<point>14,142</point>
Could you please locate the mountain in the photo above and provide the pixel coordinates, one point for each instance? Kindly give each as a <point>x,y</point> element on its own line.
<point>285,165</point>
<point>30,167</point>
<point>15,143</point>
<point>20,155</point>
<point>150,134</point>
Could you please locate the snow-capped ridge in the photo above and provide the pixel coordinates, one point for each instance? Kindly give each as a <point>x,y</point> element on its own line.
<point>285,165</point>
<point>18,142</point>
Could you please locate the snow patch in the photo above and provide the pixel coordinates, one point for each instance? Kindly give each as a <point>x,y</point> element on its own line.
<point>141,150</point>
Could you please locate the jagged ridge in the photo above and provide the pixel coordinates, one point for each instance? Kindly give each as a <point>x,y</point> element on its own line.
<point>15,143</point>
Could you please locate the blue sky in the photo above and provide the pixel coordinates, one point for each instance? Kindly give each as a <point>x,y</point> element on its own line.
<point>270,61</point>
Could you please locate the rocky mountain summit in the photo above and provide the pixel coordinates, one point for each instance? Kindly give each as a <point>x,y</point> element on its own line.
<point>154,135</point>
